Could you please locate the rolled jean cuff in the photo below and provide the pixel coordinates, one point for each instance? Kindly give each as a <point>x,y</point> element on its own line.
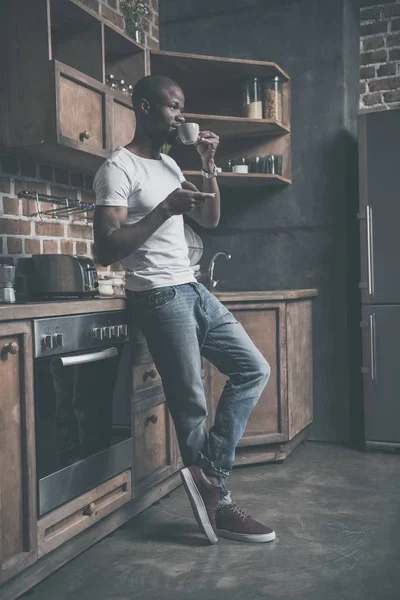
<point>211,468</point>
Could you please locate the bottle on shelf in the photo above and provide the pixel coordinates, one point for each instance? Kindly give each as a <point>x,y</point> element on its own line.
<point>273,98</point>
<point>251,98</point>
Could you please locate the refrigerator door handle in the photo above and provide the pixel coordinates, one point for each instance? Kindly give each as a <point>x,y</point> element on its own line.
<point>372,339</point>
<point>370,251</point>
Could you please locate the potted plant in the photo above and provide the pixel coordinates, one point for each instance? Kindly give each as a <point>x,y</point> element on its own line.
<point>138,16</point>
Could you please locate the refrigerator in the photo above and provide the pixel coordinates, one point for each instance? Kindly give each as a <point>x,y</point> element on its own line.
<point>379,218</point>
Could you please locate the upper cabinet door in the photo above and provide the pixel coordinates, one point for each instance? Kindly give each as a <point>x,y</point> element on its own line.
<point>380,206</point>
<point>81,118</point>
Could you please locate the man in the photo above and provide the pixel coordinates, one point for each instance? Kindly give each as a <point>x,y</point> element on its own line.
<point>141,197</point>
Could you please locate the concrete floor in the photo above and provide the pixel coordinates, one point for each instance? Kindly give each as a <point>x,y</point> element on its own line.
<point>336,514</point>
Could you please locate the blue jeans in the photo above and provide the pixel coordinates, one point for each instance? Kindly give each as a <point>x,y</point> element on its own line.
<point>181,324</point>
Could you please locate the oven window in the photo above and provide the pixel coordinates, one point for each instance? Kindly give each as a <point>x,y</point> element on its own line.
<point>75,408</point>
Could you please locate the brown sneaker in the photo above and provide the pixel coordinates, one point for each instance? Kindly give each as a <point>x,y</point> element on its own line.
<point>233,523</point>
<point>203,496</point>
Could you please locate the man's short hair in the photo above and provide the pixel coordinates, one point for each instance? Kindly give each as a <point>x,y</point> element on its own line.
<point>150,88</point>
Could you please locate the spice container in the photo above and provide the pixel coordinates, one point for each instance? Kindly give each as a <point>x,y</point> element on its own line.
<point>273,98</point>
<point>251,97</point>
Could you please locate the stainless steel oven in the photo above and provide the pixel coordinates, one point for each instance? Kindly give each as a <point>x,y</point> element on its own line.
<point>82,404</point>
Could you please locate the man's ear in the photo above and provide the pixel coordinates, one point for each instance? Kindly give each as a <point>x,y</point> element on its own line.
<point>144,105</point>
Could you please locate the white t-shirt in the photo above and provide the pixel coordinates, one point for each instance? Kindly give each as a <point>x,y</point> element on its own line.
<point>141,184</point>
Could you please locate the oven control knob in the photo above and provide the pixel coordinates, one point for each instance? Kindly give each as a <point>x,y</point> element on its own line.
<point>107,332</point>
<point>115,331</point>
<point>123,329</point>
<point>48,341</point>
<point>98,333</point>
<point>58,340</point>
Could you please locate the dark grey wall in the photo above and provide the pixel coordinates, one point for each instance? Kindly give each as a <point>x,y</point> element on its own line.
<point>303,235</point>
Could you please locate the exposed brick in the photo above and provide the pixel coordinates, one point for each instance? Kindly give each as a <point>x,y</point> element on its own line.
<point>67,247</point>
<point>29,207</point>
<point>363,87</point>
<point>395,25</point>
<point>14,226</point>
<point>28,168</point>
<point>112,16</point>
<point>373,43</point>
<point>9,165</point>
<point>393,39</point>
<point>93,4</point>
<point>49,229</point>
<point>367,72</point>
<point>63,192</point>
<point>393,96</point>
<point>14,245</point>
<point>10,206</point>
<point>5,185</point>
<point>385,70</point>
<point>372,99</point>
<point>46,172</point>
<point>50,247</point>
<point>77,180</point>
<point>61,176</point>
<point>81,248</point>
<point>80,231</point>
<point>394,54</point>
<point>31,186</point>
<point>372,28</point>
<point>377,56</point>
<point>385,83</point>
<point>32,246</point>
<point>370,13</point>
<point>391,11</point>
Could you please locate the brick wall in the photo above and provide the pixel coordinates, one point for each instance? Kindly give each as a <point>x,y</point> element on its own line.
<point>20,233</point>
<point>380,56</point>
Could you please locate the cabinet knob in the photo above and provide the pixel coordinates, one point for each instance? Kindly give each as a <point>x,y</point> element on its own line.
<point>152,374</point>
<point>90,509</point>
<point>152,419</point>
<point>85,135</point>
<point>10,348</point>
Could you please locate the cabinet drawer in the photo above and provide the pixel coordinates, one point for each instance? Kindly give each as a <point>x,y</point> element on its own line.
<point>67,521</point>
<point>81,111</point>
<point>145,376</point>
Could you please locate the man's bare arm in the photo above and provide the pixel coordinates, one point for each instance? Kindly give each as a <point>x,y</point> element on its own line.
<point>114,239</point>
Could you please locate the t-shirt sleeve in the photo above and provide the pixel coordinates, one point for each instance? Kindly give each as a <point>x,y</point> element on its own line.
<point>112,185</point>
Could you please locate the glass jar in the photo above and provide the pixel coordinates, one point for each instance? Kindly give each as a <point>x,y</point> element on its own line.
<point>273,98</point>
<point>251,98</point>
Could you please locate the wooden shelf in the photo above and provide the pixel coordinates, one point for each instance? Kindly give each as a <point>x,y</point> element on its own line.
<point>233,180</point>
<point>237,126</point>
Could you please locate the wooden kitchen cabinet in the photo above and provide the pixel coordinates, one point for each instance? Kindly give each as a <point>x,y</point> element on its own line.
<point>55,104</point>
<point>18,544</point>
<point>279,323</point>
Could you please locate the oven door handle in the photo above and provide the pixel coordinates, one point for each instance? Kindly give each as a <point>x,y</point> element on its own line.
<point>81,359</point>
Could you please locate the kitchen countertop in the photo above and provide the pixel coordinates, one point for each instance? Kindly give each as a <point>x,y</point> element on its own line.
<point>34,310</point>
<point>267,295</point>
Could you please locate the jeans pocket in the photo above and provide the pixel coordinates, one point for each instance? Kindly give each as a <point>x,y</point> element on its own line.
<point>157,298</point>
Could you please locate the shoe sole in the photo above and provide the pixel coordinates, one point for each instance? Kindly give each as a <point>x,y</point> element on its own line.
<point>245,537</point>
<point>198,506</point>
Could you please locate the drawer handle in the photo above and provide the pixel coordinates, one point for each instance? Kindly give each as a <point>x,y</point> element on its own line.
<point>10,348</point>
<point>85,135</point>
<point>89,510</point>
<point>152,419</point>
<point>152,374</point>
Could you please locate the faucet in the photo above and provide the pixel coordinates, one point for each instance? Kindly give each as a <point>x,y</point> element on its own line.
<point>214,282</point>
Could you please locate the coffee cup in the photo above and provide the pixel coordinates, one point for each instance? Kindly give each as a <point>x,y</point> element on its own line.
<point>188,133</point>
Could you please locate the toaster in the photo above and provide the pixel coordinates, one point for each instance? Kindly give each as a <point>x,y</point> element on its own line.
<point>46,276</point>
